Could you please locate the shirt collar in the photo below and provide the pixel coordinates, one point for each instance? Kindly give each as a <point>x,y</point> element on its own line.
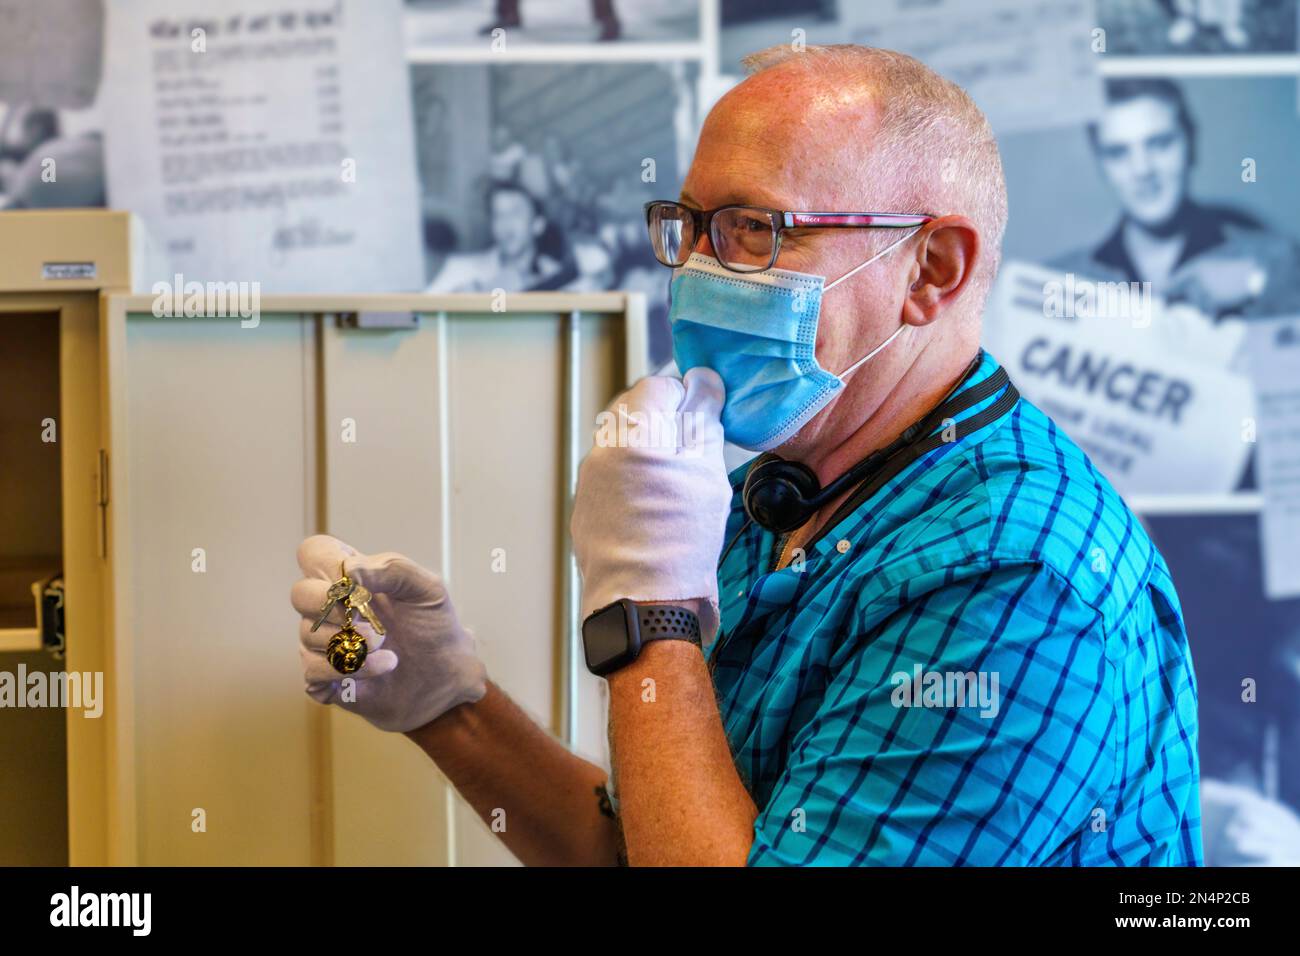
<point>1201,227</point>
<point>985,365</point>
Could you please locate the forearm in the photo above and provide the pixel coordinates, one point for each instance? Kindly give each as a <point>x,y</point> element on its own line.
<point>681,800</point>
<point>501,761</point>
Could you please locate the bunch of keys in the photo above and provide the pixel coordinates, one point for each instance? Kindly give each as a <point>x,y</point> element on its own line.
<point>347,649</point>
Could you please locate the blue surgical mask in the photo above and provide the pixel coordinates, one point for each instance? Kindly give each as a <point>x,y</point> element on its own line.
<point>758,331</point>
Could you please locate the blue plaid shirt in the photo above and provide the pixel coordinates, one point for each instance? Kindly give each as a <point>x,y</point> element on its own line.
<point>1003,563</point>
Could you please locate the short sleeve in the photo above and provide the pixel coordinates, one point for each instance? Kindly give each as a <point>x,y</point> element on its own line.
<point>971,726</point>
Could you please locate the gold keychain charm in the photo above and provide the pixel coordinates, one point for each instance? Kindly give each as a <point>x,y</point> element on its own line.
<point>346,650</point>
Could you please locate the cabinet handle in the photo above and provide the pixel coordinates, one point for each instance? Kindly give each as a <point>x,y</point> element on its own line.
<point>376,319</point>
<point>101,500</point>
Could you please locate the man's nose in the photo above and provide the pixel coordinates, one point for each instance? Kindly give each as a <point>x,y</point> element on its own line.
<point>704,246</point>
<point>1141,162</point>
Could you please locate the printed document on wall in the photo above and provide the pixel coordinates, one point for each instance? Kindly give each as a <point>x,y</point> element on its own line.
<point>266,141</point>
<point>1029,64</point>
<point>1274,349</point>
<point>1145,388</point>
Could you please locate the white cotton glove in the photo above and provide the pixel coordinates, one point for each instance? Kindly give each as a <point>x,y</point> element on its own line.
<point>649,518</point>
<point>423,666</point>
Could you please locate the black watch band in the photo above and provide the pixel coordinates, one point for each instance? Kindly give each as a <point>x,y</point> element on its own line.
<point>667,622</point>
<point>612,636</point>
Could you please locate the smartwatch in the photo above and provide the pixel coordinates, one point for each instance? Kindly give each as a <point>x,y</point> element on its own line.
<point>613,635</point>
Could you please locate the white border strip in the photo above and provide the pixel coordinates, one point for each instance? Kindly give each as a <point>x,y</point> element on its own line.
<point>1263,64</point>
<point>564,53</point>
<point>710,39</point>
<point>1233,504</point>
<point>571,632</point>
<point>441,321</point>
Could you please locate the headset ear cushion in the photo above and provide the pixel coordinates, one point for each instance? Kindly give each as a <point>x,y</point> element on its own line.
<point>777,493</point>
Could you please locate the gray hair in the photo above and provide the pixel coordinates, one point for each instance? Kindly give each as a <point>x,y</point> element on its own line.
<point>934,145</point>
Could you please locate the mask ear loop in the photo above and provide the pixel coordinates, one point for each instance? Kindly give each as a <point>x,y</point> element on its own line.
<point>852,368</point>
<point>889,248</point>
<point>883,252</point>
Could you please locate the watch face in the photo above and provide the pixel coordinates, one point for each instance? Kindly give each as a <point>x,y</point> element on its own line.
<point>606,639</point>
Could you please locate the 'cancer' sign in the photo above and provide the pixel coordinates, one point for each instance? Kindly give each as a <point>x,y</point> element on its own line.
<point>1144,390</point>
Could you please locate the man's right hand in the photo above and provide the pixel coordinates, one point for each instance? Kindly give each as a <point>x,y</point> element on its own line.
<point>650,513</point>
<point>1217,285</point>
<point>424,665</point>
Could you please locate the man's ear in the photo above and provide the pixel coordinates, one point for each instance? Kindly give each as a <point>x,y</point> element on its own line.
<point>945,260</point>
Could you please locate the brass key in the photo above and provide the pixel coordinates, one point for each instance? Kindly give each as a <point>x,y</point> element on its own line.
<point>360,599</point>
<point>340,590</point>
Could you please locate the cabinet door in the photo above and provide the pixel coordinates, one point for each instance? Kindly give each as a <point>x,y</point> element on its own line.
<point>212,483</point>
<point>452,440</point>
<point>53,807</point>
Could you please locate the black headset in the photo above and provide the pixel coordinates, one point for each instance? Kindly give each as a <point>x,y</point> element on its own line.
<point>782,495</point>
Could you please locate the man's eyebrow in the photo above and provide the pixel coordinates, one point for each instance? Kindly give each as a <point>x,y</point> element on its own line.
<point>731,199</point>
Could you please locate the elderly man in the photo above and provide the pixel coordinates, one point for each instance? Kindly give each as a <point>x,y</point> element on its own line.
<point>933,634</point>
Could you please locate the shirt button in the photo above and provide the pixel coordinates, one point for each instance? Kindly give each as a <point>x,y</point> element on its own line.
<point>842,546</point>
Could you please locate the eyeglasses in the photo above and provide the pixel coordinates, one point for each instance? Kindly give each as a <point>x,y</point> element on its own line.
<point>748,238</point>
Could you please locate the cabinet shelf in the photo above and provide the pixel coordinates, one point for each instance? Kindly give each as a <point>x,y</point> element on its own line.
<point>18,631</point>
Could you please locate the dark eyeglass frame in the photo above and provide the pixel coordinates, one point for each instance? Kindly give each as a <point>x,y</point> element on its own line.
<point>781,220</point>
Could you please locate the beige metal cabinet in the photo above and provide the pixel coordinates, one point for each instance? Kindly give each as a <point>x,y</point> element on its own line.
<point>197,451</point>
<point>54,763</point>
